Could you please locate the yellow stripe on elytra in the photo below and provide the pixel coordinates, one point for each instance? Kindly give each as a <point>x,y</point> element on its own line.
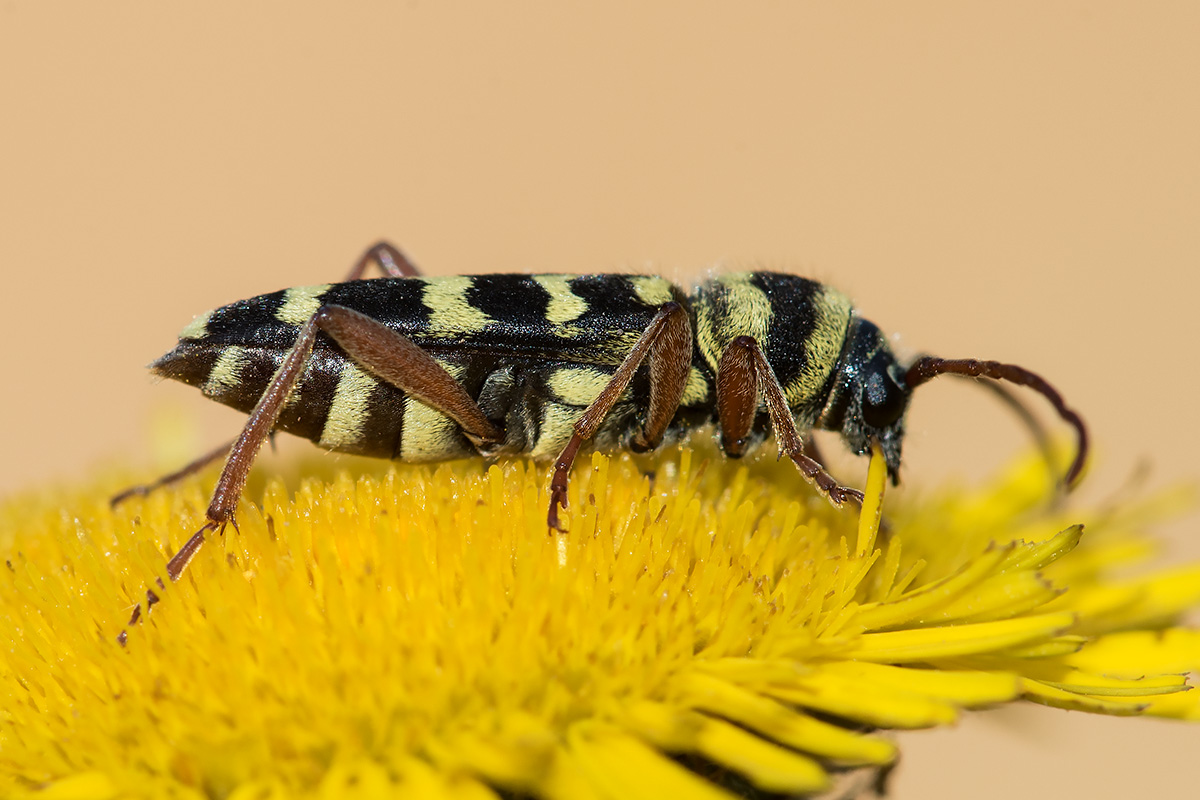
<point>651,290</point>
<point>198,327</point>
<point>831,311</point>
<point>449,309</point>
<point>348,412</point>
<point>564,305</point>
<point>300,303</point>
<point>226,373</point>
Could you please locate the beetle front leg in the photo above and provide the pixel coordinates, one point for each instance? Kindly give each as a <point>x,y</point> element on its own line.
<point>667,342</point>
<point>742,374</point>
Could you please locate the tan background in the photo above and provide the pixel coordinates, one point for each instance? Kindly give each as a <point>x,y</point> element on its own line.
<point>1019,182</point>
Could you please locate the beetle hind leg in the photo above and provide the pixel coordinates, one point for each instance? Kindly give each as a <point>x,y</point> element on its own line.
<point>382,352</point>
<point>390,260</point>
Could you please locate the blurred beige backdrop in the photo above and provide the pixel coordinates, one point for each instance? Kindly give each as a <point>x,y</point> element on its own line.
<point>1020,181</point>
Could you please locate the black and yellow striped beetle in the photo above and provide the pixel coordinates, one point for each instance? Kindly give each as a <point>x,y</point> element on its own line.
<point>437,368</point>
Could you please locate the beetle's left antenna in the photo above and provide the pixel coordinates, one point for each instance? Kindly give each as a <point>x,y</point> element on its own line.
<point>929,367</point>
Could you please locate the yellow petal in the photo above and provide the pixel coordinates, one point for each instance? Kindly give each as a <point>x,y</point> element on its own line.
<point>961,687</point>
<point>999,597</point>
<point>916,605</point>
<point>1058,646</point>
<point>1181,706</point>
<point>872,509</point>
<point>1136,653</point>
<point>620,766</point>
<point>767,766</point>
<point>1163,596</point>
<point>888,708</point>
<point>1045,694</point>
<point>567,780</point>
<point>928,644</point>
<point>781,723</point>
<point>1033,556</point>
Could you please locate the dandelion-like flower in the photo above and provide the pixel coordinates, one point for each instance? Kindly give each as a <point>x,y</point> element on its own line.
<point>705,629</point>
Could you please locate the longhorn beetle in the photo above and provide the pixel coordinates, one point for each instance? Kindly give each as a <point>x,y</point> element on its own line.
<point>436,368</point>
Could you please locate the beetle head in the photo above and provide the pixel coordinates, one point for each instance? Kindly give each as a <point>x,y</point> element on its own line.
<point>869,397</point>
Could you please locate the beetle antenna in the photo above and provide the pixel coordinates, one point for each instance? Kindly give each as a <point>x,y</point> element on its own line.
<point>929,367</point>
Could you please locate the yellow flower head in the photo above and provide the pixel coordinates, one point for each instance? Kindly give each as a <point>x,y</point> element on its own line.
<point>704,627</point>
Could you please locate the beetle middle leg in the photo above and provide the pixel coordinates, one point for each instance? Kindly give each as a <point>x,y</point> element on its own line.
<point>191,468</point>
<point>667,342</point>
<point>390,260</point>
<point>382,352</point>
<point>742,375</point>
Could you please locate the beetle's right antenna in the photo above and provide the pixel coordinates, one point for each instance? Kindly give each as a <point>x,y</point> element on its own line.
<point>929,367</point>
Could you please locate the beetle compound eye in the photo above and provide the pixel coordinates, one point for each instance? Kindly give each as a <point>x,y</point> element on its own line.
<point>883,399</point>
